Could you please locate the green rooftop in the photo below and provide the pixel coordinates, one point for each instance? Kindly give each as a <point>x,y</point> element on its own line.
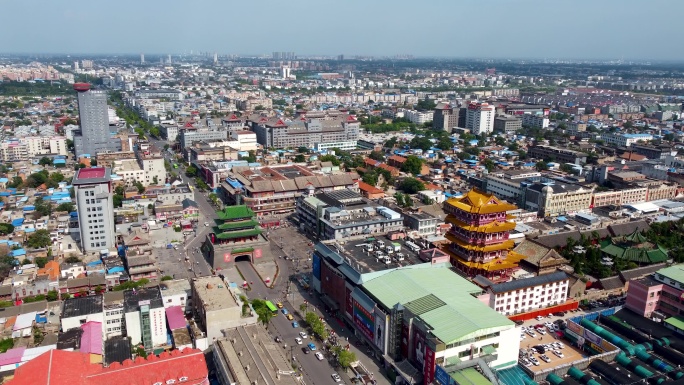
<point>674,272</point>
<point>235,212</point>
<point>676,321</point>
<point>238,225</point>
<point>442,299</point>
<point>238,234</point>
<point>470,376</point>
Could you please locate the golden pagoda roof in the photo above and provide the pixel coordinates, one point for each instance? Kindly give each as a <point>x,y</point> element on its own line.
<point>478,202</point>
<point>509,262</point>
<point>509,244</point>
<point>491,227</point>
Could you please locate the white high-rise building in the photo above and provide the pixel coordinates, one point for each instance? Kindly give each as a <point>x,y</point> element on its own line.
<point>94,191</point>
<point>142,58</point>
<point>480,118</point>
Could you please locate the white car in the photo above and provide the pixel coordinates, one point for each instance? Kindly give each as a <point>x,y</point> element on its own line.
<point>298,340</point>
<point>558,353</point>
<point>319,355</point>
<point>545,358</point>
<point>336,377</point>
<point>302,334</point>
<point>539,318</point>
<point>534,361</point>
<point>531,333</point>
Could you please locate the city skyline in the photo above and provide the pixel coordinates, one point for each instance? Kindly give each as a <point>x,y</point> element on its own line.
<point>524,29</point>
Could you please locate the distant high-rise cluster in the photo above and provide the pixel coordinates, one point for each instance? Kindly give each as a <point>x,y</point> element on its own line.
<point>284,56</point>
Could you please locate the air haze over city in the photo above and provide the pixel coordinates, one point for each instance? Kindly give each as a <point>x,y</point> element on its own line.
<point>376,193</point>
<point>538,29</point>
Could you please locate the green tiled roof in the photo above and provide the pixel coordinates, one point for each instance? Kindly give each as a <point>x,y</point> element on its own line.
<point>238,234</point>
<point>424,290</point>
<point>235,212</point>
<point>238,225</point>
<point>674,272</point>
<point>635,254</point>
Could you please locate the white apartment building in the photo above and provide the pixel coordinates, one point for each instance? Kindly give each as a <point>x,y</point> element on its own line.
<point>93,191</point>
<point>529,294</point>
<point>28,147</point>
<point>507,184</point>
<point>113,310</point>
<point>480,118</point>
<point>246,140</point>
<point>177,292</point>
<point>418,117</point>
<point>624,140</point>
<point>145,317</point>
<point>535,120</point>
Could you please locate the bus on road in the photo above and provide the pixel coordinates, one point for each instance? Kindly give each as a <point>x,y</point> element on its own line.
<point>271,307</point>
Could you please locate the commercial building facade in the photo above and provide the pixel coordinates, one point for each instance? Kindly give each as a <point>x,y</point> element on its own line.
<point>94,198</point>
<point>94,136</point>
<point>480,118</point>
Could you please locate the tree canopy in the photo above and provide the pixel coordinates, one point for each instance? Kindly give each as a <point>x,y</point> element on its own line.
<point>39,239</point>
<point>413,165</point>
<point>411,185</point>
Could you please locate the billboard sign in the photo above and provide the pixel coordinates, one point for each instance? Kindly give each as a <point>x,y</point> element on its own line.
<point>592,337</point>
<point>316,265</point>
<point>380,325</point>
<point>442,377</point>
<point>429,366</point>
<point>364,320</point>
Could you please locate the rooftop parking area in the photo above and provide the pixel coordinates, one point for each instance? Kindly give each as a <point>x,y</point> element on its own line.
<point>358,253</point>
<point>570,353</point>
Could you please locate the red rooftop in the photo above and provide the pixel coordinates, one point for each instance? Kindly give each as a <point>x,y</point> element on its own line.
<point>91,173</point>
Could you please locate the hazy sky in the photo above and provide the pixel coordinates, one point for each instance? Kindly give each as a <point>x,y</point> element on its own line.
<point>630,29</point>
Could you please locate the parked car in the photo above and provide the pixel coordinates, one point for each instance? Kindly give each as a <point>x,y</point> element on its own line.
<point>319,355</point>
<point>298,340</point>
<point>336,377</point>
<point>558,353</point>
<point>295,324</point>
<point>311,346</point>
<point>545,358</point>
<point>289,317</point>
<point>302,334</point>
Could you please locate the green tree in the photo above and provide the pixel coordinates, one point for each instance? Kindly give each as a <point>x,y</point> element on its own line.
<point>445,143</point>
<point>139,186</point>
<point>408,201</point>
<point>45,161</point>
<point>191,171</point>
<point>6,228</point>
<point>39,239</point>
<point>400,198</point>
<point>413,165</point>
<point>52,296</point>
<point>541,166</point>
<point>371,178</point>
<point>391,142</point>
<point>345,358</point>
<point>300,158</point>
<point>420,142</point>
<point>40,261</point>
<point>330,158</point>
<point>426,104</point>
<point>302,150</point>
<point>167,278</point>
<point>16,182</point>
<point>411,185</point>
<point>66,206</point>
<point>377,155</point>
<point>489,164</point>
<point>73,259</point>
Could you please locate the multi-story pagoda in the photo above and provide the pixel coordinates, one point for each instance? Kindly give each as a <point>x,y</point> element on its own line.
<point>479,236</point>
<point>236,235</point>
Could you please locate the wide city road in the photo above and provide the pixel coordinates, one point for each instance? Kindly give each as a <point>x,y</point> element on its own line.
<point>315,371</point>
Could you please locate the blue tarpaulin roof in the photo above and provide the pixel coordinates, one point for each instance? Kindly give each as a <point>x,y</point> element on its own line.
<point>29,208</point>
<point>95,263</point>
<point>17,253</point>
<point>41,319</point>
<point>18,222</point>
